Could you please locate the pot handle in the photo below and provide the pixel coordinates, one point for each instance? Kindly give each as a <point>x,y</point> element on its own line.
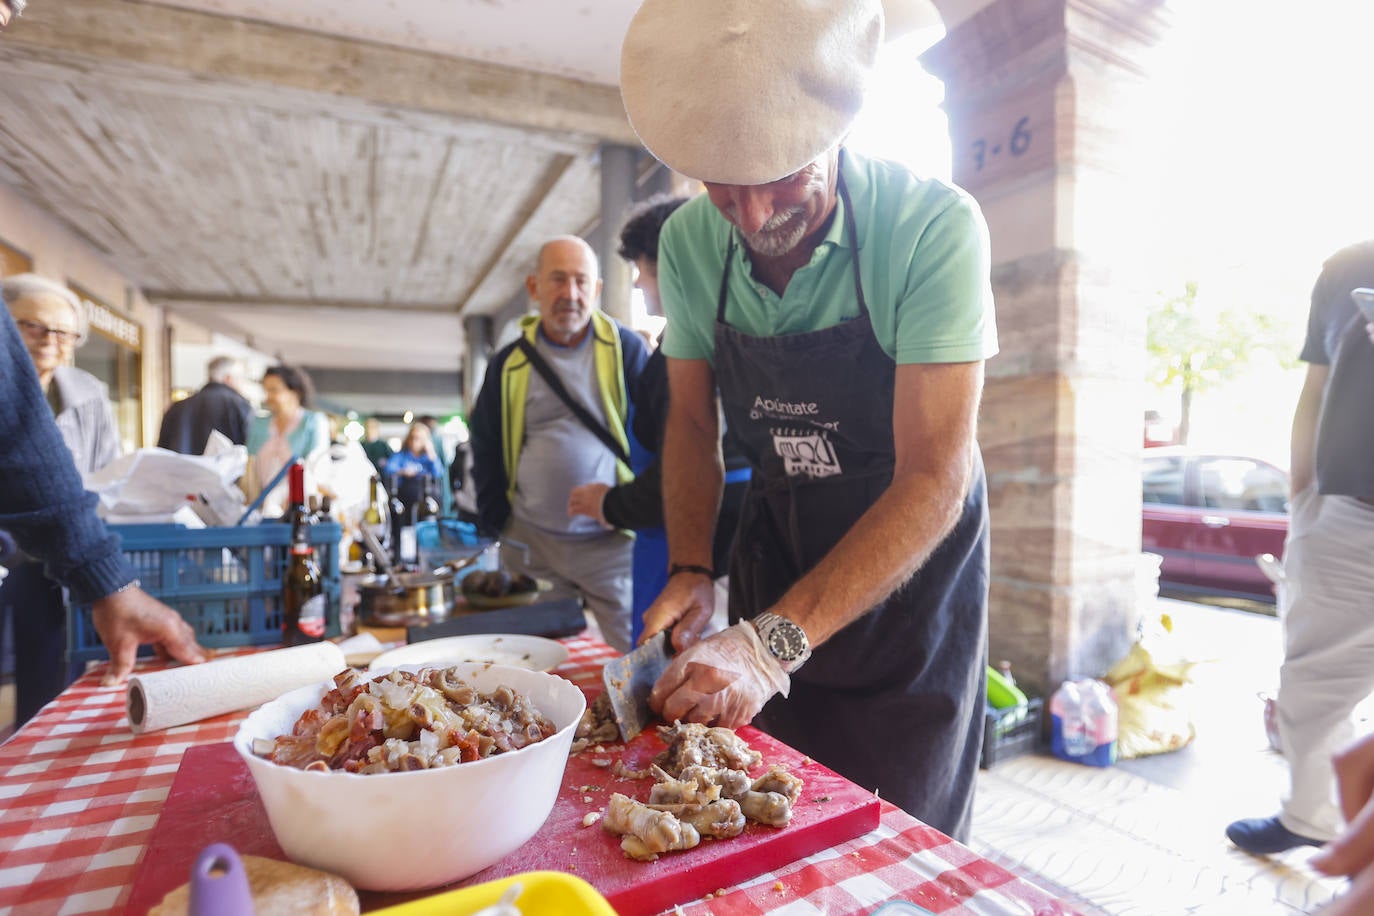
<point>453,567</point>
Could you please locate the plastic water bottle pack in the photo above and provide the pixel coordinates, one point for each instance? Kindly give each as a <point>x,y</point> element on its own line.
<point>1083,717</point>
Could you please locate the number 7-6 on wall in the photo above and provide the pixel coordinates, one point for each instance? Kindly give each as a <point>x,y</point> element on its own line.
<point>1017,143</point>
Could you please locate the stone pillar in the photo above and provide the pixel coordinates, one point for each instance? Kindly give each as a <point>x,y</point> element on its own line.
<point>1045,107</point>
<point>664,180</point>
<point>478,332</point>
<point>618,173</point>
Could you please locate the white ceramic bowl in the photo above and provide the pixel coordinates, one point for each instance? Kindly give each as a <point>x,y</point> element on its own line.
<point>514,649</point>
<point>421,829</point>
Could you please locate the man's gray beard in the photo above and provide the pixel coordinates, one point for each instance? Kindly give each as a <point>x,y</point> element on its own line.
<point>779,235</point>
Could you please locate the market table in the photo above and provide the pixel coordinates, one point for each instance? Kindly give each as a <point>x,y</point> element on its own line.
<point>80,795</point>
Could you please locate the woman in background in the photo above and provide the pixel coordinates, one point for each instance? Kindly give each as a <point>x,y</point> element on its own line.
<point>52,322</point>
<point>289,427</point>
<point>417,457</point>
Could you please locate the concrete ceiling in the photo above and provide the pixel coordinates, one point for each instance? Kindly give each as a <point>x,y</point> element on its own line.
<point>337,180</point>
<point>574,38</point>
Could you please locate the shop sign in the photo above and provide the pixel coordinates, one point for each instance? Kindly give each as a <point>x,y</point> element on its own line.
<point>109,322</point>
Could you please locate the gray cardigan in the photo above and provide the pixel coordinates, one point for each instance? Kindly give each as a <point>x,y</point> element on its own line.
<point>86,422</point>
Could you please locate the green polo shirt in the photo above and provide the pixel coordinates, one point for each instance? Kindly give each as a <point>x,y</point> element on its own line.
<point>924,265</point>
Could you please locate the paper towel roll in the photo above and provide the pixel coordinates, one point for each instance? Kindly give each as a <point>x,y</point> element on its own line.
<point>162,699</point>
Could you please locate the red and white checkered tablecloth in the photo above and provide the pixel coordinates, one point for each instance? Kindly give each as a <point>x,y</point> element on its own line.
<point>80,793</point>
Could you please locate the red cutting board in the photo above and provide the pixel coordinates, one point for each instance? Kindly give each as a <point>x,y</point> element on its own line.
<point>213,800</point>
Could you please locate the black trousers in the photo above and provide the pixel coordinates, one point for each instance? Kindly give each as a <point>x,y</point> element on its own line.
<point>32,605</point>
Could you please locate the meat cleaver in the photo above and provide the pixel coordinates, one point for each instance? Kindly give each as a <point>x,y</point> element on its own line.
<point>629,680</point>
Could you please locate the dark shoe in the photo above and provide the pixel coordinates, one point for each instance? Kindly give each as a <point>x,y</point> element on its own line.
<point>1263,836</point>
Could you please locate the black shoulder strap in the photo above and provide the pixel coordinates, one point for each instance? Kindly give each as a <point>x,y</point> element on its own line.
<point>551,379</point>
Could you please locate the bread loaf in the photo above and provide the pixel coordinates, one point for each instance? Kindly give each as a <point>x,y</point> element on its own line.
<point>279,889</point>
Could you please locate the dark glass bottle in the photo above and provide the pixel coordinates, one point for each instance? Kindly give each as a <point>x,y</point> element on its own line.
<point>305,609</point>
<point>404,504</point>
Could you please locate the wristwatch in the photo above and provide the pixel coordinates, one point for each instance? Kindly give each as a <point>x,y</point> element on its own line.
<point>783,639</point>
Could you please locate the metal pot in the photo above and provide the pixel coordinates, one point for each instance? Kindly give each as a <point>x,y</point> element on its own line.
<point>406,600</point>
<point>396,599</point>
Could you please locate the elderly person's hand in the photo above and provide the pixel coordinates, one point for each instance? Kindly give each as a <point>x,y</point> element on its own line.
<point>587,500</point>
<point>130,617</point>
<point>1352,853</point>
<point>722,680</point>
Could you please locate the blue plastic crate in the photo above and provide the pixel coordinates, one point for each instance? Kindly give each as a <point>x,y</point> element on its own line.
<point>226,582</point>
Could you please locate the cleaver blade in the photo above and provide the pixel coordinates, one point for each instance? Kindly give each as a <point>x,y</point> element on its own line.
<point>630,679</point>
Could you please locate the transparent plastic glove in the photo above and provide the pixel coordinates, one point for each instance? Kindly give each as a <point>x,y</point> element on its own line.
<point>722,680</point>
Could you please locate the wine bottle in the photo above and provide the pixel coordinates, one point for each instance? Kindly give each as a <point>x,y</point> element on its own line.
<point>305,609</point>
<point>376,521</point>
<point>405,545</point>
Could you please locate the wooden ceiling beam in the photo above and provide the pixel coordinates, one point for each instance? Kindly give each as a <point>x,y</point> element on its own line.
<point>207,48</point>
<point>178,298</point>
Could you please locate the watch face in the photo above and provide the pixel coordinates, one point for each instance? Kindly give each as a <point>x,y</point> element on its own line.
<point>786,641</point>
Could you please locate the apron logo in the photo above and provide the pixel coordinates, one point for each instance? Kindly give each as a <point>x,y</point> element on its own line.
<point>806,455</point>
<point>778,409</point>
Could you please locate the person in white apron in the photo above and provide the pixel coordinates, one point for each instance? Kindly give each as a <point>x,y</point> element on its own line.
<point>841,306</point>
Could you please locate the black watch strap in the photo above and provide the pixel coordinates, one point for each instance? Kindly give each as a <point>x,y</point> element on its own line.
<point>690,568</point>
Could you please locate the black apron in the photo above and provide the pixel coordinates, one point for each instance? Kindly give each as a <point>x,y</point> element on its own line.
<point>894,701</point>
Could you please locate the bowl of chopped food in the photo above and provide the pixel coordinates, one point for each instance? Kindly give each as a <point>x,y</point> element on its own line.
<point>413,778</point>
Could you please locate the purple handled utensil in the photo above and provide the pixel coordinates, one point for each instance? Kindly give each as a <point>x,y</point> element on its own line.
<point>219,885</point>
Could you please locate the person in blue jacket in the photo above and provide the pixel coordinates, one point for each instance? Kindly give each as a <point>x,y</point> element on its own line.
<point>53,518</point>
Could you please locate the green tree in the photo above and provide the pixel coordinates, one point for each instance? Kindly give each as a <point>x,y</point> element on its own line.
<point>1194,349</point>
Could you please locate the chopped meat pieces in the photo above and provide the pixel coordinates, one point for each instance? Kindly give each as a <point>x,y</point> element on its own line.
<point>596,726</point>
<point>670,791</point>
<point>732,783</point>
<point>779,780</point>
<point>645,832</point>
<point>403,721</point>
<point>702,788</point>
<point>769,808</point>
<point>693,744</point>
<point>720,819</point>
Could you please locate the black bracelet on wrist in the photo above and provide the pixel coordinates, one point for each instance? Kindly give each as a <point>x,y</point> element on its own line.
<point>690,568</point>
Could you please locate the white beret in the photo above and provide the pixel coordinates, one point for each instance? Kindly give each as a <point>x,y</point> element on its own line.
<point>746,91</point>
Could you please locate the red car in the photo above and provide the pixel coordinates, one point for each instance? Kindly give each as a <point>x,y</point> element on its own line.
<point>1209,516</point>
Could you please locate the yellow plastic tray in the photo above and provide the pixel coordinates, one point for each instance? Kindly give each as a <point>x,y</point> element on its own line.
<point>546,893</point>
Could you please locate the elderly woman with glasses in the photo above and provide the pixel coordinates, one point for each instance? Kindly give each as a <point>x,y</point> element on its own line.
<point>52,323</point>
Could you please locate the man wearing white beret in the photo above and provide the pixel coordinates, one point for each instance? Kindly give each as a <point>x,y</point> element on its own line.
<point>842,307</point>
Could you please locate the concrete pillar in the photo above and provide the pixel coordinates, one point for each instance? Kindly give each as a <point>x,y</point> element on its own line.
<point>658,181</point>
<point>479,332</point>
<point>1046,110</point>
<point>618,173</point>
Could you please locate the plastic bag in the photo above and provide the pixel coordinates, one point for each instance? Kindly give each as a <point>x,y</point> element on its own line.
<point>152,484</point>
<point>1154,694</point>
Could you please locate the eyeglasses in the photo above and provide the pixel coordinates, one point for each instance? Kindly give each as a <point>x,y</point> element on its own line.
<point>38,331</point>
